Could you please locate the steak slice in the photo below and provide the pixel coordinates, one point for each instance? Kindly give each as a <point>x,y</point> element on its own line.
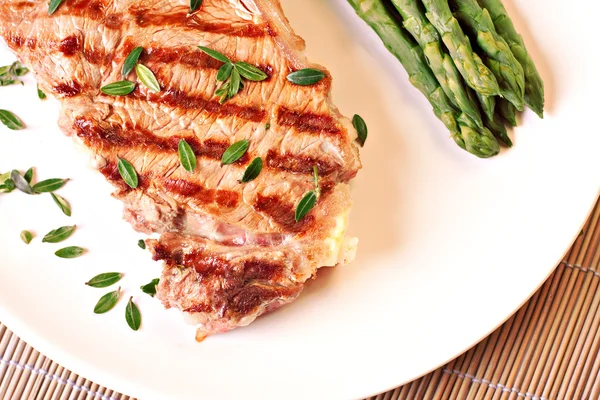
<point>232,250</point>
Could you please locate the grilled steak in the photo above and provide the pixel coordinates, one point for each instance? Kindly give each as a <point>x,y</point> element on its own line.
<point>232,250</point>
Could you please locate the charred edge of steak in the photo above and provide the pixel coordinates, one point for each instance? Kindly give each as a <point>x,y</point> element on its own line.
<point>234,289</point>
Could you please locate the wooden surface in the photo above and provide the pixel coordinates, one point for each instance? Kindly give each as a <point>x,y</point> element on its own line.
<point>549,350</point>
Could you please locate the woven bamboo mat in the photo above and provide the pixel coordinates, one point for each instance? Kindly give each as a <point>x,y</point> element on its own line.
<point>547,351</point>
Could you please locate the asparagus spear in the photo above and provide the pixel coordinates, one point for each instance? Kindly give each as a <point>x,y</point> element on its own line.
<point>464,131</point>
<point>488,105</point>
<point>534,86</point>
<point>499,130</point>
<point>477,75</point>
<point>499,58</point>
<point>507,111</point>
<point>441,63</point>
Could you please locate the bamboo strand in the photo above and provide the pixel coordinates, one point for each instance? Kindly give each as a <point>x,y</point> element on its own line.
<point>584,344</point>
<point>586,301</point>
<point>47,383</point>
<point>502,371</point>
<point>34,380</point>
<point>433,382</point>
<point>503,360</point>
<point>18,379</point>
<point>533,337</point>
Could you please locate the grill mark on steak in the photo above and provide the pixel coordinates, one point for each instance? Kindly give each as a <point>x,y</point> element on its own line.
<point>70,45</point>
<point>282,213</point>
<point>205,263</point>
<point>299,164</point>
<point>251,297</point>
<point>190,57</point>
<point>31,43</point>
<point>178,99</point>
<point>307,122</point>
<point>21,5</point>
<point>68,89</point>
<point>187,56</point>
<point>181,187</point>
<point>15,41</point>
<point>128,136</point>
<point>224,198</point>
<point>144,18</point>
<point>111,173</point>
<point>113,135</point>
<point>183,55</point>
<point>241,288</point>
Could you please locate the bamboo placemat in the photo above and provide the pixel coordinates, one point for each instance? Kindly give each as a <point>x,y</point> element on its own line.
<point>547,351</point>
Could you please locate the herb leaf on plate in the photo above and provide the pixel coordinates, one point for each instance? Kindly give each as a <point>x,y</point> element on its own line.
<point>250,72</point>
<point>131,61</point>
<point>234,83</point>
<point>7,186</point>
<point>17,69</point>
<point>20,182</point>
<point>147,77</point>
<point>253,170</point>
<point>361,128</point>
<point>28,175</point>
<point>41,95</point>
<point>235,152</point>
<point>306,204</point>
<point>54,4</point>
<point>107,302</point>
<point>59,235</point>
<point>62,204</point>
<point>224,72</point>
<point>187,158</point>
<point>141,244</point>
<point>150,288</point>
<point>132,315</point>
<point>128,173</point>
<point>49,185</point>
<point>195,4</point>
<point>215,54</point>
<point>104,280</point>
<point>10,73</point>
<point>121,88</point>
<point>306,77</point>
<point>11,121</point>
<point>26,237</point>
<point>70,252</point>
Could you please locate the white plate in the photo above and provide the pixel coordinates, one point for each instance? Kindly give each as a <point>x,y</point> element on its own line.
<point>450,245</point>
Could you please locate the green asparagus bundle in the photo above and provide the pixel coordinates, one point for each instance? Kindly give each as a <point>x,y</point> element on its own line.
<point>470,65</point>
<point>497,127</point>
<point>488,104</point>
<point>441,63</point>
<point>499,57</point>
<point>534,86</point>
<point>478,141</point>
<point>507,111</point>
